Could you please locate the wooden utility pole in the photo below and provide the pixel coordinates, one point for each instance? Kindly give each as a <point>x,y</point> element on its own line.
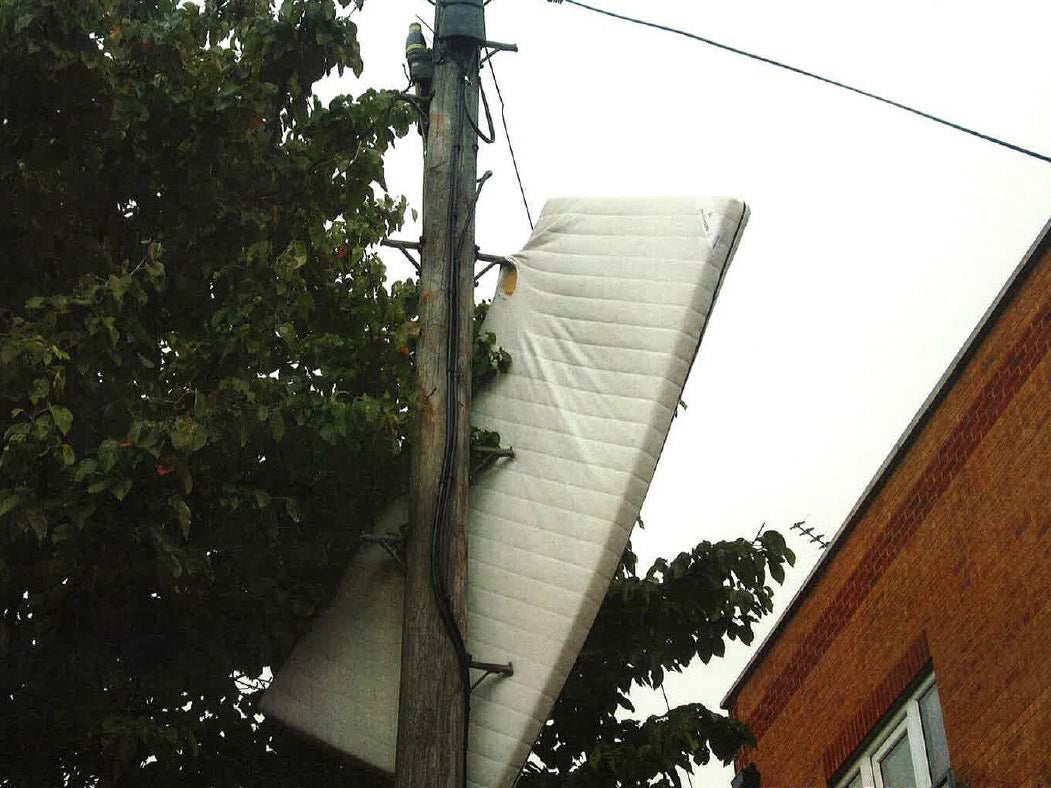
<point>431,709</point>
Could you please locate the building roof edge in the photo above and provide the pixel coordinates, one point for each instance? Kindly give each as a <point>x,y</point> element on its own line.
<point>897,452</point>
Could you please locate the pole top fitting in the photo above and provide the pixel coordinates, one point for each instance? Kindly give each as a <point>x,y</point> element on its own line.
<point>463,20</point>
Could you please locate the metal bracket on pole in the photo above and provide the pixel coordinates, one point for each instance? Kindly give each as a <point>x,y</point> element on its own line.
<point>390,545</point>
<point>492,261</point>
<point>404,247</point>
<point>496,451</point>
<point>487,457</point>
<point>495,47</point>
<point>416,246</point>
<point>491,669</point>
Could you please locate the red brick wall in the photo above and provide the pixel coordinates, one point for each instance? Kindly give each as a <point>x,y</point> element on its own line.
<point>950,565</point>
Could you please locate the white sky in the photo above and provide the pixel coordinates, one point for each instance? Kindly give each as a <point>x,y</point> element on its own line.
<point>877,239</point>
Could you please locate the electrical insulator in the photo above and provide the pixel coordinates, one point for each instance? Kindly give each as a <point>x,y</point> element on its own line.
<point>421,63</point>
<point>462,19</point>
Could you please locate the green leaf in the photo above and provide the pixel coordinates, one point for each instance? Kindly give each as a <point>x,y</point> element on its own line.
<point>155,271</point>
<point>200,405</point>
<point>37,523</point>
<point>182,511</point>
<point>287,332</point>
<point>262,498</point>
<point>292,508</point>
<point>8,501</point>
<point>277,425</point>
<point>188,434</point>
<point>774,541</point>
<point>63,418</point>
<point>121,489</point>
<point>777,571</point>
<point>118,285</point>
<point>107,455</point>
<point>39,390</point>
<point>299,255</point>
<point>66,454</point>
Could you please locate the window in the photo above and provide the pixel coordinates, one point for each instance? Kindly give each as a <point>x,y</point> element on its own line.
<point>909,751</point>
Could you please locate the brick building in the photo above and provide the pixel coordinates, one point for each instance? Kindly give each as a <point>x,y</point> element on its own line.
<point>918,651</point>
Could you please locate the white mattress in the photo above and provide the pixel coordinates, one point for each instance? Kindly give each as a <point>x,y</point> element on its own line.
<point>611,300</point>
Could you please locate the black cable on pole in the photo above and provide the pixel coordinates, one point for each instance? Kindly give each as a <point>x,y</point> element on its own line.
<point>802,72</point>
<point>488,140</point>
<point>510,146</point>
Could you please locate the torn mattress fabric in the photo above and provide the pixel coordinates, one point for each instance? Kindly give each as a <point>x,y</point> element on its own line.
<point>602,314</point>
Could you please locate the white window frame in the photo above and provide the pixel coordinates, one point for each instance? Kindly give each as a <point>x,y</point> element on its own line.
<point>906,719</point>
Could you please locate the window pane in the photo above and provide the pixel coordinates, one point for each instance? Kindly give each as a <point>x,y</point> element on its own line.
<point>855,781</point>
<point>896,766</point>
<point>934,735</point>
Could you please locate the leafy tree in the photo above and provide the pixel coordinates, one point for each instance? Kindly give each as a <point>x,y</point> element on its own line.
<point>205,395</point>
<point>203,379</point>
<point>648,625</point>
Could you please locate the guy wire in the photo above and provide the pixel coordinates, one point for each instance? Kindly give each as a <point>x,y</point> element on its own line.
<point>510,146</point>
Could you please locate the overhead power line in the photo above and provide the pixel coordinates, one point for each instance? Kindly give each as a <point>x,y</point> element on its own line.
<point>803,72</point>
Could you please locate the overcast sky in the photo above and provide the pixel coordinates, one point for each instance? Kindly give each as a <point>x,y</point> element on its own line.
<point>877,239</point>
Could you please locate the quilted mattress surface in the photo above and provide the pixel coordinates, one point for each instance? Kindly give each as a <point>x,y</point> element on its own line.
<point>602,313</point>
